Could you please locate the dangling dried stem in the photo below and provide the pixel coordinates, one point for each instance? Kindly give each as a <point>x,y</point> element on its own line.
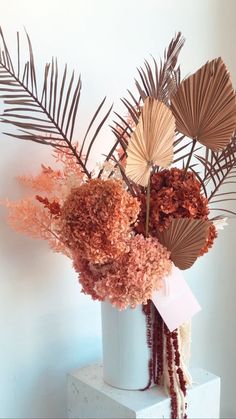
<point>158,331</point>
<point>169,354</point>
<point>147,310</point>
<point>147,206</point>
<point>176,379</point>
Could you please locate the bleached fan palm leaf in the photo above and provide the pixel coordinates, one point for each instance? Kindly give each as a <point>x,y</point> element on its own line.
<point>151,143</point>
<point>184,239</point>
<point>157,79</point>
<point>205,106</point>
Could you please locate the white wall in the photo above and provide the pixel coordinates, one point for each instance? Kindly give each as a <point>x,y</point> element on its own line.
<point>47,327</point>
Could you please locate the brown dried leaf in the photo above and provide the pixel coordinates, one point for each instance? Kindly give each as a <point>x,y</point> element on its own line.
<point>151,143</point>
<point>184,239</point>
<point>205,106</point>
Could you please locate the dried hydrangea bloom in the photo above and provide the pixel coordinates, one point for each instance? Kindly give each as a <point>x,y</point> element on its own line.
<point>96,219</point>
<point>86,278</point>
<point>174,194</point>
<point>212,235</point>
<point>131,279</point>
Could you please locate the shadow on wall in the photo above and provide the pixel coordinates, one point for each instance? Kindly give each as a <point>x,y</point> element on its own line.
<point>225,255</point>
<point>225,13</point>
<point>44,393</point>
<point>44,329</point>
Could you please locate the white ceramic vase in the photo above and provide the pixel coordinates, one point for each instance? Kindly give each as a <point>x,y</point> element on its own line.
<point>125,350</point>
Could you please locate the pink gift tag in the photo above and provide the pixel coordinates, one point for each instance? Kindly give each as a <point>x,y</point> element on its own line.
<point>175,301</point>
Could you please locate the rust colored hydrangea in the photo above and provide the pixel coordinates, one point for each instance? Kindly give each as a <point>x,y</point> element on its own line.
<point>129,280</point>
<point>210,240</point>
<point>174,194</point>
<point>96,219</point>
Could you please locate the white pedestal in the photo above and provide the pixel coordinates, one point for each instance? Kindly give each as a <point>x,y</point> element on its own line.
<point>89,398</point>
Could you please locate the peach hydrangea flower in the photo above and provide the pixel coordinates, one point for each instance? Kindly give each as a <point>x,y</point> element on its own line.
<point>96,219</point>
<point>129,280</point>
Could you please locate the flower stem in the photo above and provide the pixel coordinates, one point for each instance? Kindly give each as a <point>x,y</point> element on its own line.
<point>190,156</point>
<point>147,206</point>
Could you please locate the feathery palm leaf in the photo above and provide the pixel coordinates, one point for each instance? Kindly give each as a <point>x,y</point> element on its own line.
<point>159,84</point>
<point>45,115</point>
<point>219,171</point>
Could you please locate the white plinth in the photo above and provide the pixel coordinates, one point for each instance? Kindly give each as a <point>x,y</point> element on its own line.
<point>89,397</point>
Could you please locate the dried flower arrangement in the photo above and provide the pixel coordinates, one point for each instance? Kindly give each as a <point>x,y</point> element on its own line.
<point>148,206</point>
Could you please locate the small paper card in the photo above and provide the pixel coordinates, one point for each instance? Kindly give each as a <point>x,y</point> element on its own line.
<point>175,301</point>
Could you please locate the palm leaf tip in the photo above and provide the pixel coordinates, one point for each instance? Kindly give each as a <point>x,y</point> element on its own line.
<point>151,143</point>
<point>204,106</point>
<point>161,80</point>
<point>184,239</point>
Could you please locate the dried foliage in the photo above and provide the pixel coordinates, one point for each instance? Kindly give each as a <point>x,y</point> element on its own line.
<point>28,217</point>
<point>214,111</point>
<point>151,144</point>
<point>204,106</point>
<point>45,115</point>
<point>38,216</point>
<point>161,83</point>
<point>219,171</point>
<point>184,239</point>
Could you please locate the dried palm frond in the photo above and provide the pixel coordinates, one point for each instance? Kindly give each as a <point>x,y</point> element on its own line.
<point>219,172</point>
<point>184,238</point>
<point>205,106</point>
<point>151,144</point>
<point>159,83</point>
<point>47,115</point>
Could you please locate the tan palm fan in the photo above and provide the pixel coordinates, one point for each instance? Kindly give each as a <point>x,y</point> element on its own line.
<point>184,238</point>
<point>205,106</point>
<point>152,141</point>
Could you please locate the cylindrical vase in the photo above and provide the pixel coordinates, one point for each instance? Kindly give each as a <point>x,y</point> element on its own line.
<point>125,350</point>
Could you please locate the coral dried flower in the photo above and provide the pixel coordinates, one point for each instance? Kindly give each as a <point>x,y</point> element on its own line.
<point>96,219</point>
<point>174,194</point>
<point>130,279</point>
